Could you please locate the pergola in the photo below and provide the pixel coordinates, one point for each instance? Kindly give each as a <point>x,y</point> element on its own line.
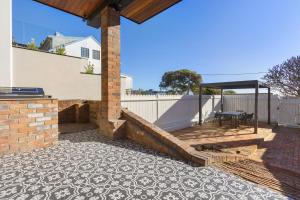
<point>238,85</point>
<point>105,14</point>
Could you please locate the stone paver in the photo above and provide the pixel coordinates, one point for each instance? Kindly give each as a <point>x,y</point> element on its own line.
<point>86,166</point>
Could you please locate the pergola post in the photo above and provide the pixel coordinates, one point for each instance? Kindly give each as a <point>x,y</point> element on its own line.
<point>110,73</point>
<point>256,108</point>
<point>200,106</point>
<point>269,105</point>
<point>222,101</point>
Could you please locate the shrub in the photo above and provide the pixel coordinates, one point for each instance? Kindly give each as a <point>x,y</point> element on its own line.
<point>60,51</point>
<point>31,45</point>
<point>89,68</point>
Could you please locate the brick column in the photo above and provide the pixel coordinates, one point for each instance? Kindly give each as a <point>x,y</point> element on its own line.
<point>110,125</point>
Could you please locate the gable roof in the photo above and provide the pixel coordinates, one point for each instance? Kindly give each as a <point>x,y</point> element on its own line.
<point>84,38</point>
<point>58,34</point>
<point>69,39</point>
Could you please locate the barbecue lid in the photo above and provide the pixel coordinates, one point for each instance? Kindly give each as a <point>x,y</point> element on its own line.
<point>21,92</point>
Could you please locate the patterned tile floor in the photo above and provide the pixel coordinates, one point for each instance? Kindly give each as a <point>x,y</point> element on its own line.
<point>86,166</point>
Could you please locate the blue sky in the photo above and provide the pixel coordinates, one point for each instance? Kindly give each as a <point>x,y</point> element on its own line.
<point>207,36</point>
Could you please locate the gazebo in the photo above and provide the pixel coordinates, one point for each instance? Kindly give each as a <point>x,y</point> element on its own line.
<point>105,14</point>
<point>254,84</point>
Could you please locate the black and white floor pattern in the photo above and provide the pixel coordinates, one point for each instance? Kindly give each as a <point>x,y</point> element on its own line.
<point>86,166</point>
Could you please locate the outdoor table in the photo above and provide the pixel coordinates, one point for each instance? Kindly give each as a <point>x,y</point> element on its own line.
<point>235,116</point>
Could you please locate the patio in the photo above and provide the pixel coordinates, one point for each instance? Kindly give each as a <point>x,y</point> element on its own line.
<point>95,164</point>
<point>85,165</point>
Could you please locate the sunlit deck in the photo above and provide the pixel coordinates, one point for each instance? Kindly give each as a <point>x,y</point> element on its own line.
<point>210,133</point>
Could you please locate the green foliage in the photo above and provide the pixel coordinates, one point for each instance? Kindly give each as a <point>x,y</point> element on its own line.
<point>210,91</point>
<point>60,51</point>
<point>181,81</point>
<point>31,45</point>
<point>143,92</point>
<point>285,77</point>
<point>228,92</point>
<point>89,69</point>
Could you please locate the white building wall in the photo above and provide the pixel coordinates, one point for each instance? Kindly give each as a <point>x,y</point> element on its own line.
<point>59,76</point>
<point>6,43</point>
<point>74,49</point>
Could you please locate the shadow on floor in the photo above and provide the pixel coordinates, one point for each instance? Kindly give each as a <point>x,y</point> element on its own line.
<point>75,127</point>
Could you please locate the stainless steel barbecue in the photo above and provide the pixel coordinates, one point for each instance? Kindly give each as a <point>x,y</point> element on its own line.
<point>21,92</point>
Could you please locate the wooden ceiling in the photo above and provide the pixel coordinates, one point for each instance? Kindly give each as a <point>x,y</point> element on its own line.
<point>136,10</point>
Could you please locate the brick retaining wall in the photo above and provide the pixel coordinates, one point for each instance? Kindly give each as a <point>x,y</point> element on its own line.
<point>28,124</point>
<point>94,112</point>
<point>73,111</point>
<point>147,134</point>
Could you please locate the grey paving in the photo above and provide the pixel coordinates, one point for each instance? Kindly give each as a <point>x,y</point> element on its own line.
<point>86,166</point>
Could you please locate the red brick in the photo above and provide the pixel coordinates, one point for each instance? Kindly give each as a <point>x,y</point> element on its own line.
<point>27,110</point>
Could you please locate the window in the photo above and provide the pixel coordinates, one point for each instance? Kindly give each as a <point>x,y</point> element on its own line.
<point>96,55</point>
<point>85,52</point>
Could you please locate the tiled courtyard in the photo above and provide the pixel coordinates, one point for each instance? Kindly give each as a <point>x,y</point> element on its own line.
<point>86,166</point>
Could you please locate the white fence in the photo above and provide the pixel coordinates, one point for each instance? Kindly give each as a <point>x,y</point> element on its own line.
<point>173,112</point>
<point>245,102</point>
<point>289,112</point>
<point>170,112</point>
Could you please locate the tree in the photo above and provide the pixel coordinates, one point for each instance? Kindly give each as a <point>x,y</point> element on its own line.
<point>285,77</point>
<point>31,45</point>
<point>60,51</point>
<point>181,81</point>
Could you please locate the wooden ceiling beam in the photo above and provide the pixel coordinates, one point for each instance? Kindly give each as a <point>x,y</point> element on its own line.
<point>134,10</point>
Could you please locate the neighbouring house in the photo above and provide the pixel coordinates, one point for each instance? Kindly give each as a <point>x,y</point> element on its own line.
<point>84,47</point>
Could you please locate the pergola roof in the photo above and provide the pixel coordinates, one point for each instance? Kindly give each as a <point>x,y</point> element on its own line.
<point>136,10</point>
<point>238,85</point>
<point>235,85</point>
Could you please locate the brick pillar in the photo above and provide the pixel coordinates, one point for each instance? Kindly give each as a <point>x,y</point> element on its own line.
<point>110,125</point>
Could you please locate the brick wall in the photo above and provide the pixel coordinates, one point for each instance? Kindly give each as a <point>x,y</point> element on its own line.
<point>151,136</point>
<point>73,111</point>
<point>28,124</point>
<point>110,125</point>
<point>145,133</point>
<point>94,112</point>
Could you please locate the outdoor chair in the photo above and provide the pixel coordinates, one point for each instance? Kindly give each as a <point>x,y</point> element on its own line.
<point>216,117</point>
<point>228,119</point>
<point>247,118</point>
